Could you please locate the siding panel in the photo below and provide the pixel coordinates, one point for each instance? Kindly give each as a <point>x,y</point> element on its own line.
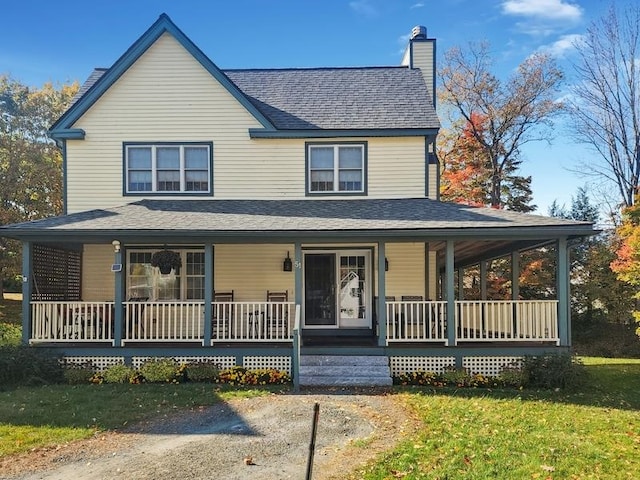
<point>98,282</point>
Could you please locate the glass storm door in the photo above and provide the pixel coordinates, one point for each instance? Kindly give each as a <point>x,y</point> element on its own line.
<point>336,289</point>
<point>320,289</point>
<point>353,289</point>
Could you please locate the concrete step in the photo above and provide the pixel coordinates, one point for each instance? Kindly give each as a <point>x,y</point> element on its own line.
<point>344,360</point>
<point>345,370</point>
<point>331,381</point>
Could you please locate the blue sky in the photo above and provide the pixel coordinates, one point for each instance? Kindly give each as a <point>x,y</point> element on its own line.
<point>60,42</point>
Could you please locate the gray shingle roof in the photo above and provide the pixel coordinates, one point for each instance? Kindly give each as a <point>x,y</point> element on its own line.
<point>339,98</point>
<point>332,98</point>
<point>213,217</point>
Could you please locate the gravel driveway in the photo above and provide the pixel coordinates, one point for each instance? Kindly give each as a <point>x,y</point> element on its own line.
<point>257,438</point>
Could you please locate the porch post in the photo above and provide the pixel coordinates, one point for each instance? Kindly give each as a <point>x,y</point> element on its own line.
<point>382,304</point>
<point>515,275</point>
<point>562,285</point>
<point>208,292</point>
<point>483,280</point>
<point>297,272</point>
<point>450,294</point>
<point>27,283</point>
<point>118,298</point>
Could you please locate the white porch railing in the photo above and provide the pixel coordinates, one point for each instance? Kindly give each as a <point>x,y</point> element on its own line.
<point>252,321</point>
<point>163,321</point>
<point>416,321</point>
<point>507,321</point>
<point>71,321</point>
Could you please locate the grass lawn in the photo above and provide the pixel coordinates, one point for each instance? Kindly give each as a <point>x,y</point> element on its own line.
<point>592,433</point>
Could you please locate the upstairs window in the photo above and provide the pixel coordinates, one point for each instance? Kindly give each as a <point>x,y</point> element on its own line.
<point>336,169</point>
<point>168,168</point>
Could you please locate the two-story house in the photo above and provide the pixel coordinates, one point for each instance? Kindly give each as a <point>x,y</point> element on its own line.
<point>302,206</point>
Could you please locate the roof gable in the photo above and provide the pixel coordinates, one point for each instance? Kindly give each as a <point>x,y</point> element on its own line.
<point>108,77</point>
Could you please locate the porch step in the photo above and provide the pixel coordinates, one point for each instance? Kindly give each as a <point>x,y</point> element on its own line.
<point>345,370</point>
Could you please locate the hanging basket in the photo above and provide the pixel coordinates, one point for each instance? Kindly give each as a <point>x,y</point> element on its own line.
<point>166,260</point>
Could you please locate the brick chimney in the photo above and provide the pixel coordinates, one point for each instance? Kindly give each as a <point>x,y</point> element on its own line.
<point>421,54</point>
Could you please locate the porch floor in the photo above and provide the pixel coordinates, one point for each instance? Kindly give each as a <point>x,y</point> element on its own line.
<point>339,338</point>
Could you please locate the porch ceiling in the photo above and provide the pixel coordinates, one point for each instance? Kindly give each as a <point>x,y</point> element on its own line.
<point>418,219</point>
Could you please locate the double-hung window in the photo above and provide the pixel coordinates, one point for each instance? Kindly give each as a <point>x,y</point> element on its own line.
<point>168,168</point>
<point>336,169</point>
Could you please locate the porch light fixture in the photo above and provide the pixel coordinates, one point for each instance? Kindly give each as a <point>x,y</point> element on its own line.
<point>288,264</point>
<point>116,245</point>
<point>386,264</point>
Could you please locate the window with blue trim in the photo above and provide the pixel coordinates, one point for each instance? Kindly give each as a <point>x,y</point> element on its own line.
<point>336,168</point>
<point>168,168</point>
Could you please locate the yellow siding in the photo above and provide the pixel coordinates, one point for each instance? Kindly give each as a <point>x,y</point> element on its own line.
<point>251,270</point>
<point>98,282</point>
<point>423,59</point>
<point>433,182</point>
<point>168,96</point>
<point>432,286</point>
<point>406,269</point>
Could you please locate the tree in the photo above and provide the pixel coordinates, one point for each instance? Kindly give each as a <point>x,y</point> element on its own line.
<point>606,99</point>
<point>511,114</point>
<point>30,163</point>
<point>626,265</point>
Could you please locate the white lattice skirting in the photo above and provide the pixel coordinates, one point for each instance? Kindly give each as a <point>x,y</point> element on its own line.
<point>99,363</point>
<point>400,365</point>
<point>491,366</point>
<point>281,363</point>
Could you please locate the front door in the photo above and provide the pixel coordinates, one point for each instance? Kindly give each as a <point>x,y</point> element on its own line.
<point>337,289</point>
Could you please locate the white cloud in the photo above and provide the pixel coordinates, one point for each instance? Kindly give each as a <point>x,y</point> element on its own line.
<point>563,46</point>
<point>364,7</point>
<point>417,5</point>
<point>543,9</point>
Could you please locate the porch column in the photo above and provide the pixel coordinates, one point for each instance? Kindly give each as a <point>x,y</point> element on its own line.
<point>483,280</point>
<point>297,272</point>
<point>118,298</point>
<point>562,287</point>
<point>450,294</point>
<point>27,283</point>
<point>208,293</point>
<point>382,293</point>
<point>515,275</point>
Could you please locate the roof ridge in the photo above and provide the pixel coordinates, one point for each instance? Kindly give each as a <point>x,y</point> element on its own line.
<point>375,67</point>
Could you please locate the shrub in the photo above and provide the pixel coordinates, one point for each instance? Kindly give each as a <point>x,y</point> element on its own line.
<point>77,374</point>
<point>552,371</point>
<point>22,365</point>
<point>243,376</point>
<point>512,376</point>
<point>118,373</point>
<point>205,371</point>
<point>10,334</point>
<point>161,370</point>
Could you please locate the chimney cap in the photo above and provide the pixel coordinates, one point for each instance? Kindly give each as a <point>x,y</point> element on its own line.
<point>419,32</point>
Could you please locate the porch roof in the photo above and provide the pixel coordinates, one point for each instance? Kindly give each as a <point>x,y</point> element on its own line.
<point>185,220</point>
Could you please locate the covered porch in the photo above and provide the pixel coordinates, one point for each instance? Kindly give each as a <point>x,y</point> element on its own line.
<point>383,270</point>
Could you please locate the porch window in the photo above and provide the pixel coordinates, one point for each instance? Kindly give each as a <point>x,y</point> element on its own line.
<point>337,168</point>
<point>168,168</point>
<point>145,281</point>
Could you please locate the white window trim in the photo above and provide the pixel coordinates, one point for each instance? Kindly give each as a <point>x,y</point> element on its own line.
<point>336,168</point>
<point>154,168</point>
